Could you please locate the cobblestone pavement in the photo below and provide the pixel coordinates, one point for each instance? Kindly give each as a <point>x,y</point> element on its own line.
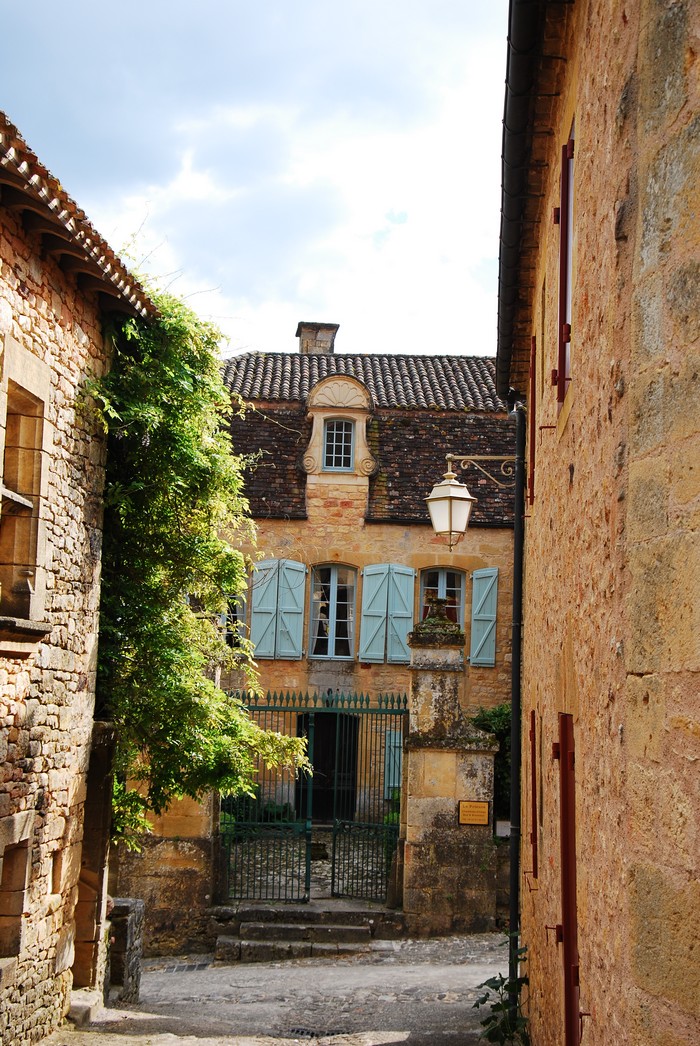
<point>412,992</point>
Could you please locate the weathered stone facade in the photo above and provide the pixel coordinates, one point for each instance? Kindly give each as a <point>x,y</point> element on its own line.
<point>52,456</point>
<point>448,863</point>
<point>371,513</point>
<point>612,564</point>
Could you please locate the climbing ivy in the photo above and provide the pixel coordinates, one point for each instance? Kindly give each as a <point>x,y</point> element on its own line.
<point>173,488</point>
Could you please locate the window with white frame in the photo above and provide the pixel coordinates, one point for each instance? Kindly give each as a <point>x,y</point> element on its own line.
<point>442,583</point>
<point>233,621</point>
<point>338,445</point>
<point>332,612</point>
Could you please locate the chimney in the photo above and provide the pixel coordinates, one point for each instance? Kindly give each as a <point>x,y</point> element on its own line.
<point>316,337</point>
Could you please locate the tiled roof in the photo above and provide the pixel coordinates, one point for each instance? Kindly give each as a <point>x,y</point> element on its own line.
<point>27,186</point>
<point>394,381</point>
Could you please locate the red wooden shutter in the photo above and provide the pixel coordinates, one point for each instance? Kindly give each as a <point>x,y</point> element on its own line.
<point>532,419</point>
<point>569,917</point>
<point>564,334</point>
<point>533,794</point>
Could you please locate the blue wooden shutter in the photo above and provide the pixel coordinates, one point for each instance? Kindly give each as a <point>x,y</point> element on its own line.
<point>263,607</point>
<point>399,613</point>
<point>484,602</point>
<point>375,594</point>
<point>290,609</point>
<point>393,756</point>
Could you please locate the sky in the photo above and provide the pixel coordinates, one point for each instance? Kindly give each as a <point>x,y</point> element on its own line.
<point>273,161</point>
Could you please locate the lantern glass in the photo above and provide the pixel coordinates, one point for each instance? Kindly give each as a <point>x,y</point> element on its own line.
<point>450,505</point>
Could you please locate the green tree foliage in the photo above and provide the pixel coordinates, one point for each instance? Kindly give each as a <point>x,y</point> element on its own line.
<point>497,721</point>
<point>173,487</point>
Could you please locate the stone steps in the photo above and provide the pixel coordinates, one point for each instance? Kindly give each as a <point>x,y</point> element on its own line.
<point>268,933</point>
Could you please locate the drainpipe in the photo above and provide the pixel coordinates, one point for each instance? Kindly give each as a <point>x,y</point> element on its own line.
<point>515,725</point>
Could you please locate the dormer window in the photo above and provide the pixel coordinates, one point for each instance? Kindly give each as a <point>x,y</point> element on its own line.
<point>339,408</point>
<point>338,446</point>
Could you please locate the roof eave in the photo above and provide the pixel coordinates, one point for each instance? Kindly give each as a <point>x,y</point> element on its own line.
<point>529,71</point>
<point>29,189</point>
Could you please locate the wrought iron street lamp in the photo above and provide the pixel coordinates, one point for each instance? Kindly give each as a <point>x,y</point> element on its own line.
<point>450,503</point>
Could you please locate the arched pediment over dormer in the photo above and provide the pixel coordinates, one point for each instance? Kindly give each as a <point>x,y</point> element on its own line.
<point>339,408</point>
<point>339,392</point>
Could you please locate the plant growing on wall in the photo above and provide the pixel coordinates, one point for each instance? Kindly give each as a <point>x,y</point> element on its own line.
<point>497,721</point>
<point>506,1022</point>
<point>173,488</point>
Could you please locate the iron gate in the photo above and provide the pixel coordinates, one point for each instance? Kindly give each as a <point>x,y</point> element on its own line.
<point>355,745</point>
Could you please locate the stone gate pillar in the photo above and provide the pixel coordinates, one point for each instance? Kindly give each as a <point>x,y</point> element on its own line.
<point>449,868</point>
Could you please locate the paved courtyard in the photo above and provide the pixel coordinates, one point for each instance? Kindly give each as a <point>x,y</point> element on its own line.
<point>413,992</point>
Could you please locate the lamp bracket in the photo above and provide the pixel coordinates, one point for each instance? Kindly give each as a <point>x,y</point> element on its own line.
<point>466,461</point>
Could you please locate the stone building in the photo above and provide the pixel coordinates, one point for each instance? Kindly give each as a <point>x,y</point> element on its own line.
<point>598,326</point>
<point>58,279</point>
<point>346,448</point>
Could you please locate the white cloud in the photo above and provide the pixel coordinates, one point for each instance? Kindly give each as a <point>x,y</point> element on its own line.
<point>278,210</point>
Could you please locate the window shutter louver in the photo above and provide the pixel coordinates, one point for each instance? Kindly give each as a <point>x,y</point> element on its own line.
<point>290,609</point>
<point>375,588</point>
<point>484,603</point>
<point>399,614</point>
<point>263,611</point>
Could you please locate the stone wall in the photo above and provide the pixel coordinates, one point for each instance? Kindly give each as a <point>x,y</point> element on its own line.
<point>174,874</point>
<point>126,949</point>
<point>612,578</point>
<point>49,334</point>
<point>449,865</point>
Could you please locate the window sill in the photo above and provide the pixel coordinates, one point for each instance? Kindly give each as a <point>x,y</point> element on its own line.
<point>328,657</point>
<point>19,636</point>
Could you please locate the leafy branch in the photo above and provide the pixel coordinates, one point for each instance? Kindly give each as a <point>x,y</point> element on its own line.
<point>173,488</point>
<point>506,1023</point>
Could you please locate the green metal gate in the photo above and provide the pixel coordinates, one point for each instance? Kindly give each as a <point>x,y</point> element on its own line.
<point>355,745</point>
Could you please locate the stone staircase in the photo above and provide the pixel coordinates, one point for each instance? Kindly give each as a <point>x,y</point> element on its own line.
<point>269,932</point>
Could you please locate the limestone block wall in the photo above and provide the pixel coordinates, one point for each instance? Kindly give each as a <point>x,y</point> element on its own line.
<point>49,334</point>
<point>449,867</point>
<point>612,578</point>
<point>174,874</point>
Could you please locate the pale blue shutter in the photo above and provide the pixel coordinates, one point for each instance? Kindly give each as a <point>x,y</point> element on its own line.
<point>484,602</point>
<point>290,609</point>
<point>399,613</point>
<point>393,755</point>
<point>263,607</point>
<point>375,589</point>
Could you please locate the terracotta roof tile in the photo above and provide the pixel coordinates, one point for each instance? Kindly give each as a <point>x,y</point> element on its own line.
<point>394,381</point>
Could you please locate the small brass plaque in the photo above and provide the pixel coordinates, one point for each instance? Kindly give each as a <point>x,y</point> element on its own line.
<point>472,812</point>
